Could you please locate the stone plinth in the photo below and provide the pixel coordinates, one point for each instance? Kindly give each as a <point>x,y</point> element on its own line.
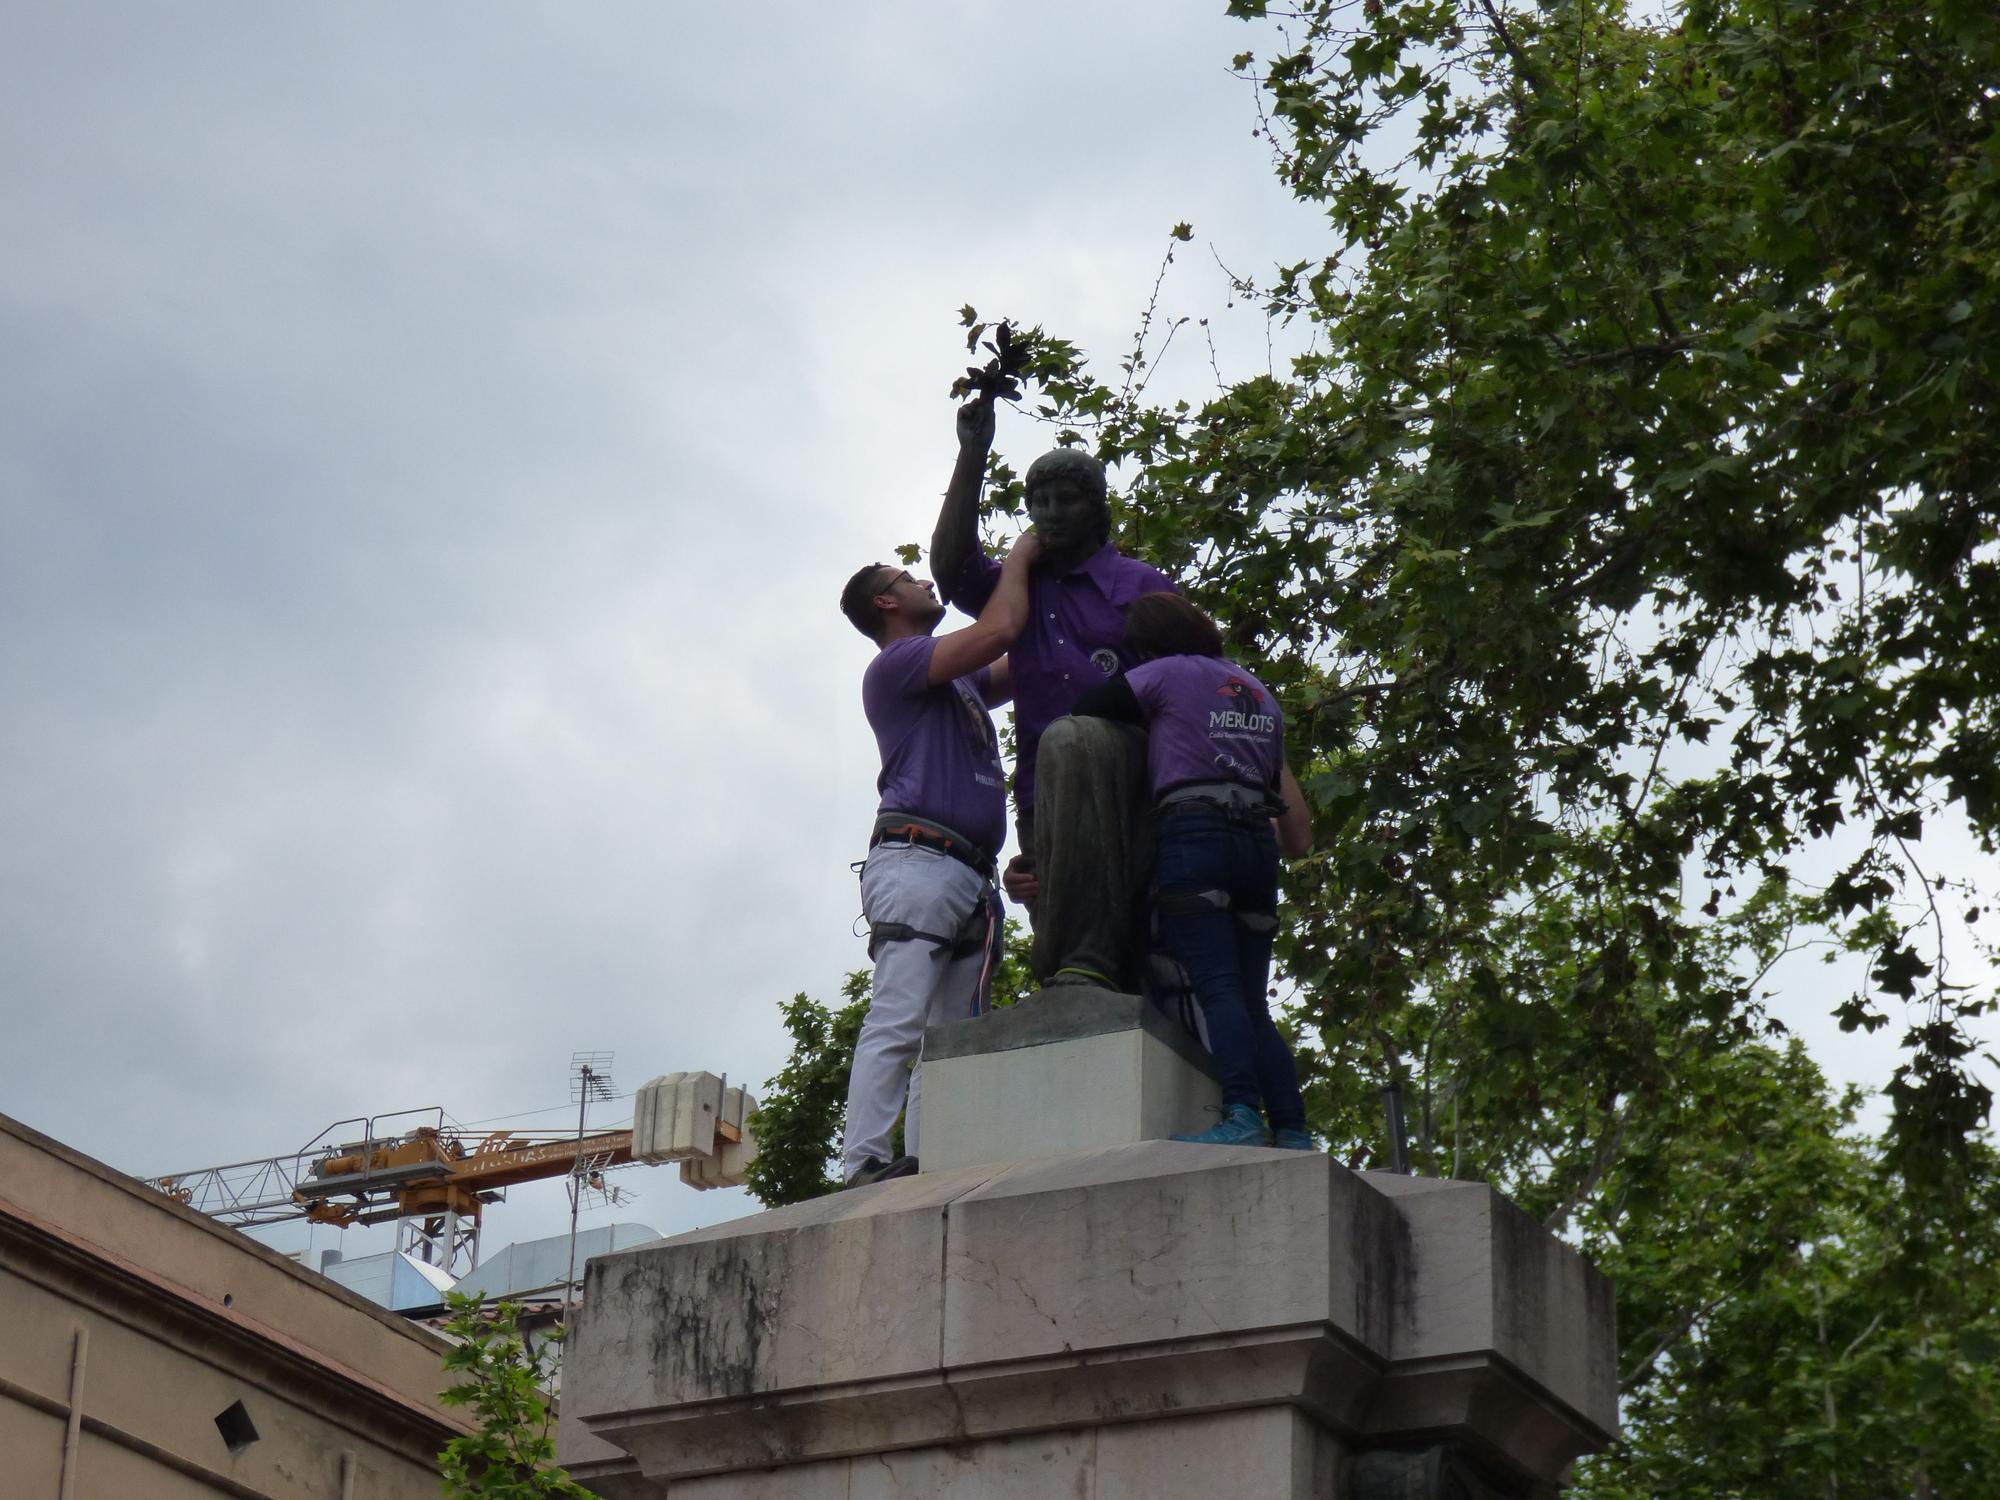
<point>1151,1321</point>
<point>1065,1070</point>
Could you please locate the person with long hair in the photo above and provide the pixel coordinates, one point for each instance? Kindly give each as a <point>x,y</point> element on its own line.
<point>1226,806</point>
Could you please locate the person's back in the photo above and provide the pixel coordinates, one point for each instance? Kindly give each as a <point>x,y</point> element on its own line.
<point>1225,803</point>
<point>1207,720</point>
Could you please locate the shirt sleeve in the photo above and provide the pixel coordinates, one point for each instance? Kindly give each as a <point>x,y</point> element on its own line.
<point>1112,698</point>
<point>1148,683</point>
<point>975,582</point>
<point>902,669</point>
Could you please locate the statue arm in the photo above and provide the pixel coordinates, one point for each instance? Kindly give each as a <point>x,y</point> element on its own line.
<point>957,536</point>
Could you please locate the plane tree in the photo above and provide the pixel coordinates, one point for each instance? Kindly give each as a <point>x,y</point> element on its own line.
<point>1629,528</point>
<point>1623,540</point>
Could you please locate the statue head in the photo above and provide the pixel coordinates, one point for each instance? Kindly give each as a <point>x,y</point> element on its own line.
<point>1067,504</point>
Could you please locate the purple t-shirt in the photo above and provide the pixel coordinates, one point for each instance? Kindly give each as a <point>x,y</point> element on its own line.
<point>940,756</point>
<point>1074,638</point>
<point>1207,720</point>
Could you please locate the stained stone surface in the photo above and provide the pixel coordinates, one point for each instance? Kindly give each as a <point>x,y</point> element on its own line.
<point>1195,1253</point>
<point>1265,1451</point>
<point>1155,1319</point>
<point>1065,1013</point>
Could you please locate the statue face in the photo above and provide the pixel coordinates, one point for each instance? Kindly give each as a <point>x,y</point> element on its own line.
<point>1071,516</point>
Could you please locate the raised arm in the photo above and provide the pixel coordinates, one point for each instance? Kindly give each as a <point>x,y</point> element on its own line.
<point>987,638</point>
<point>957,534</point>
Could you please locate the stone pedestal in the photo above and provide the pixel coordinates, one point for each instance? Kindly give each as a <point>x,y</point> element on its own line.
<point>1136,1322</point>
<point>1067,1069</point>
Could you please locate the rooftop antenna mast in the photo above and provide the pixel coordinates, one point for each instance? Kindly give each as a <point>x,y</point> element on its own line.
<point>589,1080</point>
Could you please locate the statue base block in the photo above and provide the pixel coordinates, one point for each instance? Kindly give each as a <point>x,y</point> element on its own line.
<point>1138,1322</point>
<point>1067,1069</point>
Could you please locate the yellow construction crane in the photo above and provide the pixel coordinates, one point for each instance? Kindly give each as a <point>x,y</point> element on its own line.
<point>434,1180</point>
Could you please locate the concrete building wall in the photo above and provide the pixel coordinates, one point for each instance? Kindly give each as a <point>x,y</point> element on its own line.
<point>129,1325</point>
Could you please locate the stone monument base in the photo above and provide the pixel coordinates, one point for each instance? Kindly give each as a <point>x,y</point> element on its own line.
<point>1138,1322</point>
<point>1067,1069</point>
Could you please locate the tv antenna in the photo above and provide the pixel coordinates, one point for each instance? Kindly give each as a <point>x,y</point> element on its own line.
<point>589,1083</point>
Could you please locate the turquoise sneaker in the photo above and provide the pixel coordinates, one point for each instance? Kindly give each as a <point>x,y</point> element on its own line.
<point>1292,1140</point>
<point>1240,1126</point>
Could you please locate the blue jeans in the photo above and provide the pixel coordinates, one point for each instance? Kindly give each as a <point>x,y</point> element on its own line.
<point>1205,854</point>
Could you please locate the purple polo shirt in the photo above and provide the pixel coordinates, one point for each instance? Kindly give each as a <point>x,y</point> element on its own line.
<point>940,756</point>
<point>1074,638</point>
<point>1207,720</point>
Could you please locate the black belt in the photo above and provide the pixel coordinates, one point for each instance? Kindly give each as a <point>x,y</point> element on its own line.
<point>1241,802</point>
<point>897,828</point>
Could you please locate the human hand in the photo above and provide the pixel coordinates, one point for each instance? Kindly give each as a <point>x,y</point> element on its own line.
<point>1019,882</point>
<point>975,425</point>
<point>1028,547</point>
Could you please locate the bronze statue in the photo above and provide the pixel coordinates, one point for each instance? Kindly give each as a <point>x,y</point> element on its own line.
<point>1079,784</point>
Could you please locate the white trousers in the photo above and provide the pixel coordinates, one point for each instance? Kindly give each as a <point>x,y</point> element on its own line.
<point>917,984</point>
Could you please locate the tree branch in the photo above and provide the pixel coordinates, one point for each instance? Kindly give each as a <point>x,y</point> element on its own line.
<point>1599,1165</point>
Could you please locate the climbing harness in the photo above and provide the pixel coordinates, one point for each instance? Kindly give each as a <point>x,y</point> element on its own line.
<point>974,933</point>
<point>1243,803</point>
<point>982,929</point>
<point>1193,903</point>
<point>925,833</point>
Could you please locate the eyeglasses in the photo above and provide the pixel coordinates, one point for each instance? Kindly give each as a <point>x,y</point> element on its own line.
<point>899,578</point>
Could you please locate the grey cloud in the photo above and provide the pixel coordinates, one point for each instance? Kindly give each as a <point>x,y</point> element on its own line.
<point>431,438</point>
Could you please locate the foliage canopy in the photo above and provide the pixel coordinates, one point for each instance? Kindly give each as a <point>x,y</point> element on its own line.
<point>1635,513</point>
<point>1625,548</point>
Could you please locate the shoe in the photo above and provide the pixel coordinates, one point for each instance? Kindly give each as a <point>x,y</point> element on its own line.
<point>1240,1126</point>
<point>1288,1139</point>
<point>872,1171</point>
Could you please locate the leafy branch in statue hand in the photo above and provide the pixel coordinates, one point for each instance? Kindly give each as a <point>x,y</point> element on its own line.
<point>1020,355</point>
<point>999,379</point>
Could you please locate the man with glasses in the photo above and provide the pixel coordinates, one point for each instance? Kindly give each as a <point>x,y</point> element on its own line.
<point>927,883</point>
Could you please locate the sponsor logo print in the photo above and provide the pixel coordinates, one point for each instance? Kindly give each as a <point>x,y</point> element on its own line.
<point>1245,714</point>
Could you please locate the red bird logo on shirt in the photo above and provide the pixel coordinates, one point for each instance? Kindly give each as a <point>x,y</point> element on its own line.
<point>1245,712</point>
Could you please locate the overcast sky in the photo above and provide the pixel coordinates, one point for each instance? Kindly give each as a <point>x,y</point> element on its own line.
<point>432,439</point>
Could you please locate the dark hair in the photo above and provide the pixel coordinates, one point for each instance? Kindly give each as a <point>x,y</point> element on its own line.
<point>1066,463</point>
<point>857,601</point>
<point>1167,625</point>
